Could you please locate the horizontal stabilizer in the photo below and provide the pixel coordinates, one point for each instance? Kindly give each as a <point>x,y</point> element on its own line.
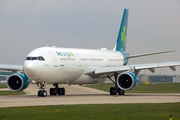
<point>147,54</point>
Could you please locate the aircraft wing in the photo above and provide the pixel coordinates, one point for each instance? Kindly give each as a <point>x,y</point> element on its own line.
<point>95,72</point>
<point>11,67</point>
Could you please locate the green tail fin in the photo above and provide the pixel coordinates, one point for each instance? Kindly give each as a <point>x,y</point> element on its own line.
<point>121,40</point>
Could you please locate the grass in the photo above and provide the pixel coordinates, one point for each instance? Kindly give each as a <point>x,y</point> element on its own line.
<point>142,88</point>
<point>95,112</point>
<point>3,85</point>
<point>145,111</point>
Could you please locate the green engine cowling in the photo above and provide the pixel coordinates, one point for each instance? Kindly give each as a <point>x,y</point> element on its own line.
<point>18,82</point>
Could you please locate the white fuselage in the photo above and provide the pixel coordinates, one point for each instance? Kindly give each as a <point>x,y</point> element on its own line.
<point>67,65</point>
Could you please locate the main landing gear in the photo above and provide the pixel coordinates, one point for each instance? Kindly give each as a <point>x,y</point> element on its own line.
<point>116,89</point>
<point>42,92</point>
<point>56,90</point>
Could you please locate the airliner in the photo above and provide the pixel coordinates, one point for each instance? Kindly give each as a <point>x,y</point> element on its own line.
<point>71,66</point>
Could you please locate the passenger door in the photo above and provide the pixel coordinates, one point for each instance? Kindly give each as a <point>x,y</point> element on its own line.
<point>55,62</point>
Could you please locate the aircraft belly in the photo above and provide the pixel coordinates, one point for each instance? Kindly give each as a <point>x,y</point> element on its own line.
<point>66,75</point>
<point>85,79</point>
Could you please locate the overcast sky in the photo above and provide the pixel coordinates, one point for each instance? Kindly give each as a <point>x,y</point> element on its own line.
<point>153,25</point>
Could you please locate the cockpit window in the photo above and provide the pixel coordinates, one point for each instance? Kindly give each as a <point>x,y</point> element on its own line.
<point>28,58</point>
<point>41,58</point>
<point>36,58</point>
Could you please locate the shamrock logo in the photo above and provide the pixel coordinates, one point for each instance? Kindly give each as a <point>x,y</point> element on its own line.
<point>123,36</point>
<point>71,53</point>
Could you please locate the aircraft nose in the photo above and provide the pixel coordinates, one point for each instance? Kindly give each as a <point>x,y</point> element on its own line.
<point>29,68</point>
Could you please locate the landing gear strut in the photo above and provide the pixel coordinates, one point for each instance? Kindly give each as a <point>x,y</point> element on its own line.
<point>42,92</point>
<point>116,89</point>
<point>56,90</point>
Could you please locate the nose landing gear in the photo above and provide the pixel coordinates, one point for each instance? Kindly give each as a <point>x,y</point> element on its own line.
<point>42,92</point>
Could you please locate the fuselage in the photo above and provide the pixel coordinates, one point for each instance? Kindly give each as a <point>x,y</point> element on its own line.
<point>67,65</point>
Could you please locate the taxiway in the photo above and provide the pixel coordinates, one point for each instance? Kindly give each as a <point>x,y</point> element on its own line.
<point>82,95</point>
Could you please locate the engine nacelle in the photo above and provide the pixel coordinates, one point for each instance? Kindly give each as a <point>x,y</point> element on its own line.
<point>18,82</point>
<point>127,80</point>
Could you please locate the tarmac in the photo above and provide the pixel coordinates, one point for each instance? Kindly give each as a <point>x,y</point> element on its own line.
<point>83,95</point>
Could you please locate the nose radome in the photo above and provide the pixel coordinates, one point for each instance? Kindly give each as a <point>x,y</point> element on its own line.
<point>29,68</point>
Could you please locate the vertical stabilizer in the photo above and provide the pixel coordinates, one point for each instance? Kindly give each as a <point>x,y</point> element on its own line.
<point>121,39</point>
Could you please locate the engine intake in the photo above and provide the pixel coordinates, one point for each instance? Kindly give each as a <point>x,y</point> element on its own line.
<point>18,82</point>
<point>127,80</point>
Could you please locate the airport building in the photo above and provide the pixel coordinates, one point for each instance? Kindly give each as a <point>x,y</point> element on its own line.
<point>4,76</point>
<point>159,78</point>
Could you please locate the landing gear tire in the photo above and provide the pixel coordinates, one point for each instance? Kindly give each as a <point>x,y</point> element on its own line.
<point>42,93</point>
<point>112,91</point>
<point>123,92</point>
<point>52,91</point>
<point>120,92</point>
<point>57,90</point>
<point>39,93</point>
<point>116,89</point>
<point>61,91</point>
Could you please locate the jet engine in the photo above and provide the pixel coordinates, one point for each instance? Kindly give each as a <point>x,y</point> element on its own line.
<point>127,80</point>
<point>18,82</point>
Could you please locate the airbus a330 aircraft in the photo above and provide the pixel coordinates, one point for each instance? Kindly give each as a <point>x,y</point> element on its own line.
<point>81,66</point>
